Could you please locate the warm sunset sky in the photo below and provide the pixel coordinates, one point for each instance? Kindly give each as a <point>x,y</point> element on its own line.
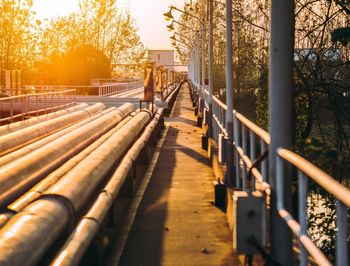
<point>147,13</point>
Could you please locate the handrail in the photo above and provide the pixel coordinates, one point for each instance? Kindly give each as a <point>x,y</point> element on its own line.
<point>246,150</point>
<point>335,188</point>
<point>35,94</point>
<point>253,127</point>
<point>220,103</point>
<point>19,106</point>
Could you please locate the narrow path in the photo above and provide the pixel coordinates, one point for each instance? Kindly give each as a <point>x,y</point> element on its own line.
<point>177,223</point>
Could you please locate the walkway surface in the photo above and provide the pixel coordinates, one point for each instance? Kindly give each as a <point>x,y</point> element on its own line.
<point>176,223</point>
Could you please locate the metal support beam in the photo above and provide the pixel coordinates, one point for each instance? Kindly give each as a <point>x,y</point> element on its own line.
<point>203,55</point>
<point>198,53</point>
<point>229,176</point>
<point>281,118</point>
<point>210,75</point>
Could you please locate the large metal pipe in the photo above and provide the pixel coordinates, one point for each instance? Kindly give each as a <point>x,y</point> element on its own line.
<point>97,164</point>
<point>39,119</point>
<point>22,174</point>
<point>10,157</point>
<point>30,233</point>
<point>52,178</point>
<point>30,134</point>
<point>37,191</point>
<point>75,247</point>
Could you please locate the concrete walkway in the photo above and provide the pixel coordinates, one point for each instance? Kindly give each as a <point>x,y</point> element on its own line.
<point>176,223</point>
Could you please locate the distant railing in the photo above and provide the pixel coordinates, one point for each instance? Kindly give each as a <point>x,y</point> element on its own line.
<point>105,90</point>
<point>21,106</point>
<point>114,88</point>
<point>251,147</point>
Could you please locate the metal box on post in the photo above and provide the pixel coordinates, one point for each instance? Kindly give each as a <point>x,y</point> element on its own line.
<point>247,217</point>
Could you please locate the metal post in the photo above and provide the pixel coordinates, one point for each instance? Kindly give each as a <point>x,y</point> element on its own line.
<point>198,62</point>
<point>302,191</point>
<point>342,244</point>
<point>281,118</point>
<point>203,55</point>
<point>229,176</point>
<point>210,75</point>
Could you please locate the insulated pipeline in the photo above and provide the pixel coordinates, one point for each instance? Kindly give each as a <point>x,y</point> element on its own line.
<point>10,157</point>
<point>52,178</point>
<point>18,176</point>
<point>38,226</point>
<point>89,225</point>
<point>30,134</point>
<point>36,120</point>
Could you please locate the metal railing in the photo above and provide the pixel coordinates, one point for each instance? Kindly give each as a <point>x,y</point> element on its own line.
<point>341,193</point>
<point>114,88</point>
<point>251,147</point>
<point>105,90</point>
<point>21,106</point>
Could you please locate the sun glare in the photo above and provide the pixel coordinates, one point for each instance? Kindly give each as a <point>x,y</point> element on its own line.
<point>54,8</point>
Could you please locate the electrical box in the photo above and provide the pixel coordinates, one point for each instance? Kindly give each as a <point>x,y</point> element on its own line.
<point>247,218</point>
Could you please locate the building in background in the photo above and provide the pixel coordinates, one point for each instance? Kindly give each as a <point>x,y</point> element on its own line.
<point>163,58</point>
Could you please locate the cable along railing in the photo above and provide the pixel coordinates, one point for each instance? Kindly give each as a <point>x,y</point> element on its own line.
<point>21,106</point>
<point>251,147</point>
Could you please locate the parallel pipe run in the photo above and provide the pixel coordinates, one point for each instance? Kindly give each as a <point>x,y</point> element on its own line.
<point>10,157</point>
<point>28,135</point>
<point>7,129</point>
<point>30,233</point>
<point>51,179</point>
<point>20,175</point>
<point>75,247</point>
<point>97,164</point>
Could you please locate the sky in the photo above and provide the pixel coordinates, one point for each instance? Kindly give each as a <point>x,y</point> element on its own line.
<point>148,15</point>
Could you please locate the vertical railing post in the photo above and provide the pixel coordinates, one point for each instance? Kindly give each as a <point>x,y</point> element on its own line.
<point>302,206</point>
<point>342,243</point>
<point>229,176</point>
<point>281,119</point>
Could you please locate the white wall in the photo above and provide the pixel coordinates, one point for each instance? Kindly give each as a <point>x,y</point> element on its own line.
<point>163,58</point>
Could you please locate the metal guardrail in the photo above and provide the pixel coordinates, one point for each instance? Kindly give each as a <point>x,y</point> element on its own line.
<point>114,88</point>
<point>106,89</point>
<point>251,144</point>
<point>21,106</point>
<point>307,170</point>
